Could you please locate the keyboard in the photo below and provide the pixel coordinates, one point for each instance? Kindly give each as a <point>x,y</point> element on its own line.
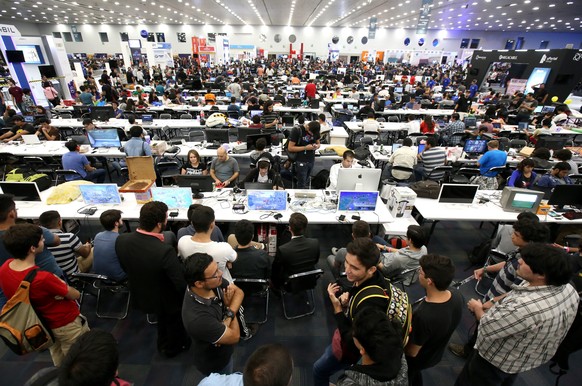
<point>305,194</point>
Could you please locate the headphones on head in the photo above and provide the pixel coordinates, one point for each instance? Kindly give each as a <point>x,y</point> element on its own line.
<point>264,159</point>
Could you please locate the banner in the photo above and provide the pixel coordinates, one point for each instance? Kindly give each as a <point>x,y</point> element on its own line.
<point>424,17</point>
<point>372,28</point>
<point>516,85</point>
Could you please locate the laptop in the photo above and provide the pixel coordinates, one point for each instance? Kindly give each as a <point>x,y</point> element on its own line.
<point>29,118</point>
<point>272,200</point>
<point>31,139</point>
<point>147,119</point>
<point>21,191</point>
<point>352,200</point>
<point>173,197</point>
<point>100,194</point>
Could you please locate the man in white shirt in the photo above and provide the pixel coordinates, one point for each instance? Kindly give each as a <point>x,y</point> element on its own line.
<point>371,125</point>
<point>347,162</point>
<point>200,242</point>
<point>235,89</point>
<point>404,156</point>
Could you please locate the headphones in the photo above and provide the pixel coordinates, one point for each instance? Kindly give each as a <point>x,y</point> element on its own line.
<point>264,159</point>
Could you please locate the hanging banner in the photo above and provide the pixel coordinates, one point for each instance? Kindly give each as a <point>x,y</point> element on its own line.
<point>195,44</point>
<point>516,85</point>
<point>372,28</point>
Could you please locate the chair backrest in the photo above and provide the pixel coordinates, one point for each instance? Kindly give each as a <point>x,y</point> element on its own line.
<point>442,171</point>
<point>303,281</point>
<point>186,116</point>
<point>251,286</point>
<point>165,116</point>
<point>517,143</point>
<point>393,118</point>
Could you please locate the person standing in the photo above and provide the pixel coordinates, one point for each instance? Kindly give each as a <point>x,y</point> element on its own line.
<point>17,94</point>
<point>156,277</point>
<point>524,329</point>
<point>303,141</point>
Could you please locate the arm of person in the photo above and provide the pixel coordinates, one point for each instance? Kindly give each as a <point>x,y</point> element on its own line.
<point>213,175</point>
<point>233,297</point>
<point>513,178</point>
<point>231,333</point>
<point>411,349</point>
<point>72,293</point>
<point>478,273</point>
<point>47,135</point>
<point>232,178</point>
<point>84,250</point>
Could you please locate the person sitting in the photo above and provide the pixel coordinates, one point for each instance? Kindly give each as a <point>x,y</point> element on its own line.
<point>379,341</point>
<point>256,122</point>
<point>523,176</point>
<point>492,158</point>
<point>233,110</point>
<point>19,128</point>
<point>427,126</point>
<point>298,255</point>
<point>105,260</point>
<point>50,133</point>
<point>413,124</point>
<point>561,116</point>
<point>269,118</point>
<point>224,170</point>
<point>265,173</point>
<point>541,158</point>
<point>260,152</point>
<point>394,261</point>
<point>325,128</point>
<point>194,165</point>
<point>404,156</point>
<point>74,160</point>
<point>360,228</point>
<point>347,163</point>
<point>251,262</point>
<point>371,125</point>
<point>558,175</point>
<point>209,98</point>
<point>565,155</point>
<point>454,126</point>
<point>92,361</point>
<point>137,146</point>
<point>189,230</point>
<point>430,158</point>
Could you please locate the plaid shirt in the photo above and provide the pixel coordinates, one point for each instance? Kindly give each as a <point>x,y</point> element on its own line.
<point>524,330</point>
<point>452,128</point>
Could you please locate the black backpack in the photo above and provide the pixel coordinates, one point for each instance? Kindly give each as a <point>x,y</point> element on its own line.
<point>478,255</point>
<point>319,181</point>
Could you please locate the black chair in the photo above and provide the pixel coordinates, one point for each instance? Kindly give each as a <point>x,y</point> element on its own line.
<point>301,284</point>
<point>165,116</point>
<point>44,377</point>
<point>61,174</point>
<point>7,159</point>
<point>196,135</point>
<point>403,169</point>
<point>104,285</point>
<point>406,277</point>
<point>393,118</point>
<point>517,143</point>
<point>186,116</point>
<point>254,289</point>
<point>446,170</point>
<point>577,178</point>
<point>167,169</point>
<point>463,175</point>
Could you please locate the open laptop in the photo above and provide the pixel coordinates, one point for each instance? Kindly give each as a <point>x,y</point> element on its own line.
<point>21,191</point>
<point>100,194</point>
<point>272,200</point>
<point>31,139</point>
<point>147,119</point>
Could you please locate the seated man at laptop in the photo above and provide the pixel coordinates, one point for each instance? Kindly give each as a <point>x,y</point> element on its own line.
<point>405,156</point>
<point>261,152</point>
<point>74,160</point>
<point>394,261</point>
<point>49,132</point>
<point>20,128</point>
<point>224,170</point>
<point>347,163</point>
<point>265,173</point>
<point>492,158</point>
<point>251,262</point>
<point>430,158</point>
<point>558,175</point>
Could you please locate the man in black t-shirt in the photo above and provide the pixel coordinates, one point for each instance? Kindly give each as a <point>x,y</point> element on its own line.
<point>463,103</point>
<point>209,314</point>
<point>434,319</point>
<point>304,140</point>
<point>20,128</point>
<point>251,263</point>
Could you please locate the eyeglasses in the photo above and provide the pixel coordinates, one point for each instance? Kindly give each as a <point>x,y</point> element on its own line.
<point>215,276</point>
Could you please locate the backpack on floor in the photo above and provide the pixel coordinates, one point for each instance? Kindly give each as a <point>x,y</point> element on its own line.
<point>21,328</point>
<point>479,253</point>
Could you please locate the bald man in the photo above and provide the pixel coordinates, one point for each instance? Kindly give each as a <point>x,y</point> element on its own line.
<point>224,170</point>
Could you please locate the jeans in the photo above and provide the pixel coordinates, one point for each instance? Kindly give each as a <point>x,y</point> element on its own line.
<point>303,173</point>
<point>97,176</point>
<point>326,366</point>
<point>479,372</point>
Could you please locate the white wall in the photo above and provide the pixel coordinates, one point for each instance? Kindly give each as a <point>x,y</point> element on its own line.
<point>314,39</point>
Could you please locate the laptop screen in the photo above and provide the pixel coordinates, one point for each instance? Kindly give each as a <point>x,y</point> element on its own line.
<point>100,194</point>
<point>147,118</point>
<point>275,200</point>
<point>103,138</point>
<point>28,119</point>
<point>173,197</point>
<point>22,191</point>
<point>357,201</point>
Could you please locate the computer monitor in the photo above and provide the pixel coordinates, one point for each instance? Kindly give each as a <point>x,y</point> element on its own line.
<point>358,179</point>
<point>288,120</point>
<point>147,118</point>
<point>100,194</point>
<point>398,90</point>
<point>475,146</point>
<point>548,109</point>
<point>243,132</point>
<point>273,200</point>
<point>522,125</point>
<point>551,142</point>
<point>396,146</point>
<point>294,102</point>
<point>566,195</point>
<point>217,135</point>
<point>173,197</point>
<point>470,121</point>
<point>80,110</point>
<point>255,112</point>
<point>520,200</point>
<point>22,191</point>
<point>103,138</point>
<point>360,201</point>
<point>253,138</point>
<point>258,186</point>
<point>314,103</point>
<point>457,193</point>
<point>102,113</point>
<point>196,183</point>
<point>421,147</point>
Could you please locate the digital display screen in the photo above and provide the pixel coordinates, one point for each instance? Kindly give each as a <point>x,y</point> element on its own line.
<point>267,200</point>
<point>173,197</point>
<point>99,194</point>
<point>538,75</point>
<point>523,200</point>
<point>22,191</point>
<point>475,146</point>
<point>32,54</point>
<point>357,201</point>
<point>103,138</point>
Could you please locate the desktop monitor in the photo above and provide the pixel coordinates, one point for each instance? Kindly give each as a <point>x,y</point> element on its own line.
<point>457,193</point>
<point>475,146</point>
<point>520,200</point>
<point>80,110</point>
<point>522,125</point>
<point>216,135</point>
<point>566,195</point>
<point>103,138</point>
<point>551,142</point>
<point>294,102</point>
<point>398,90</point>
<point>173,197</point>
<point>274,200</point>
<point>314,103</point>
<point>288,120</point>
<point>102,113</point>
<point>252,140</point>
<point>358,179</point>
<point>15,56</point>
<point>548,109</point>
<point>255,112</point>
<point>100,194</point>
<point>197,183</point>
<point>470,121</point>
<point>22,191</point>
<point>357,201</point>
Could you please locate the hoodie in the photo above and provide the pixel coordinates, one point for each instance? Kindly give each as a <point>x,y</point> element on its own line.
<point>378,374</point>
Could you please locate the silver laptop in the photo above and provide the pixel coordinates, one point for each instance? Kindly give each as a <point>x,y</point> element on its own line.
<point>31,139</point>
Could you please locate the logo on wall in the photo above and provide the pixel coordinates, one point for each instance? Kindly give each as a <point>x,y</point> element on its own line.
<point>143,33</point>
<point>477,57</point>
<point>506,57</point>
<point>577,57</point>
<point>548,59</point>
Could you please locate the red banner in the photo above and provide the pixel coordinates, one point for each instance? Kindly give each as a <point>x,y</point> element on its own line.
<point>195,44</point>
<point>206,49</point>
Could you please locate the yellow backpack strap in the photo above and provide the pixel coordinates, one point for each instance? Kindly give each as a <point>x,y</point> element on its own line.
<point>356,301</point>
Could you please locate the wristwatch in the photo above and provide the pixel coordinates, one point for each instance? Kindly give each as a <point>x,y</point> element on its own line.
<point>228,313</point>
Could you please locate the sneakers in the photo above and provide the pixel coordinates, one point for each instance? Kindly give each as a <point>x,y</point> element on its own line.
<point>458,350</point>
<point>253,328</point>
<point>334,251</point>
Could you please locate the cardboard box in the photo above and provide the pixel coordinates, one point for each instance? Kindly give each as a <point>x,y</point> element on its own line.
<point>158,147</point>
<point>401,201</point>
<point>142,176</point>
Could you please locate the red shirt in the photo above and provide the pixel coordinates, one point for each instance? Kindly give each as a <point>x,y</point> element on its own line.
<point>46,294</point>
<point>17,93</point>
<point>424,128</point>
<point>310,90</point>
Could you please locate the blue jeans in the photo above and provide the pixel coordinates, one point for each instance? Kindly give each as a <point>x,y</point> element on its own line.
<point>326,366</point>
<point>303,173</point>
<point>97,176</point>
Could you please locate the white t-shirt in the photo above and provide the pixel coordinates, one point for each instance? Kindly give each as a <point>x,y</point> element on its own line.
<point>220,252</point>
<point>414,126</point>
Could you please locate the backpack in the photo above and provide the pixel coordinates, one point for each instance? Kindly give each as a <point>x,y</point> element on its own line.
<point>43,181</point>
<point>426,189</point>
<point>479,253</point>
<point>292,156</point>
<point>319,181</point>
<point>21,328</point>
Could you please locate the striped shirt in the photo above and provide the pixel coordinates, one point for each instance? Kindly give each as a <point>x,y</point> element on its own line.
<point>524,330</point>
<point>65,252</point>
<point>269,118</point>
<point>506,277</point>
<point>431,158</point>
